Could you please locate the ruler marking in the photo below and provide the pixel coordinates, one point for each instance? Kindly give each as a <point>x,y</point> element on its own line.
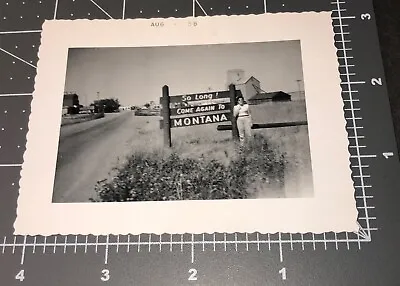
<point>363,156</point>
<point>313,239</point>
<point>129,243</point>
<point>181,242</point>
<point>352,82</point>
<point>302,242</point>
<point>138,248</point>
<point>75,244</point>
<point>96,243</point>
<point>362,176</point>
<point>336,241</point>
<point>123,9</point>
<point>247,241</point>
<point>44,244</point>
<point>20,32</point>
<point>203,241</point>
<point>4,245</point>
<point>214,241</point>
<point>347,241</point>
<point>280,248</point>
<point>18,58</point>
<point>170,242</point>
<point>55,10</point>
<point>160,247</point>
<point>269,242</point>
<point>150,242</point>
<point>86,243</point>
<point>343,17</point>
<point>360,146</point>
<point>291,241</point>
<point>34,245</point>
<point>362,166</point>
<point>272,241</point>
<point>325,246</point>
<point>236,247</point>
<point>192,248</point>
<point>367,197</point>
<point>23,251</point>
<point>55,244</point>
<point>225,241</point>
<point>358,136</point>
<point>344,25</point>
<point>353,91</point>
<point>117,249</point>
<point>106,251</point>
<point>344,33</point>
<point>65,244</point>
<point>13,248</point>
<point>355,118</point>
<point>351,105</point>
<point>258,242</point>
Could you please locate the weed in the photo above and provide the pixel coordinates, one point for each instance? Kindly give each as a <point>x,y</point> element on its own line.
<point>158,176</point>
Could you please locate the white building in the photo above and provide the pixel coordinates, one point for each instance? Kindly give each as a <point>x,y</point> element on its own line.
<point>248,86</point>
<point>121,108</point>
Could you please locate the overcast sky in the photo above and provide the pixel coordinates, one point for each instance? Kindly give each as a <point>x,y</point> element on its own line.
<point>136,75</point>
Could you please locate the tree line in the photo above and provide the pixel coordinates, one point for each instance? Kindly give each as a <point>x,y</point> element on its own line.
<point>106,105</point>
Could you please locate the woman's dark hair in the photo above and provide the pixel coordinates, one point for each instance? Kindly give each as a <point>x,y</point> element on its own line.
<point>239,97</point>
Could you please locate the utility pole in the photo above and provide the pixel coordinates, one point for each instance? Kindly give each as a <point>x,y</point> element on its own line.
<point>299,86</point>
<point>232,97</point>
<point>166,113</point>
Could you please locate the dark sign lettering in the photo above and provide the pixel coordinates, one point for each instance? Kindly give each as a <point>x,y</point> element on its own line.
<point>200,109</point>
<point>199,120</point>
<point>199,96</point>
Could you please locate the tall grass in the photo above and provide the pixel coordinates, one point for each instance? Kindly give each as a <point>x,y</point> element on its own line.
<point>175,175</point>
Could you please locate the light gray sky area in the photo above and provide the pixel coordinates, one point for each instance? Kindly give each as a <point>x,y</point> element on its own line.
<point>136,75</point>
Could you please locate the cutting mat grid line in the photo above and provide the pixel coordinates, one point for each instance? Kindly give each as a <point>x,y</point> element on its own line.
<point>146,242</point>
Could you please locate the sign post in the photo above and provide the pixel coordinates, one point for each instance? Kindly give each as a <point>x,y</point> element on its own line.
<point>232,97</point>
<point>166,115</point>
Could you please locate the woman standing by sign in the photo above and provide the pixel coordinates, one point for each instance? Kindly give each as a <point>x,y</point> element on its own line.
<point>243,119</point>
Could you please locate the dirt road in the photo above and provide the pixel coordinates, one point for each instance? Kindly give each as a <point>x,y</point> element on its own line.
<point>87,153</point>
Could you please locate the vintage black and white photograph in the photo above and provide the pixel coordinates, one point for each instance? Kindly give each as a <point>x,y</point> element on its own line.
<point>196,126</point>
<point>204,122</point>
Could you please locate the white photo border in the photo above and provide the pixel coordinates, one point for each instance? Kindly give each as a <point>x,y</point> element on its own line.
<point>333,207</point>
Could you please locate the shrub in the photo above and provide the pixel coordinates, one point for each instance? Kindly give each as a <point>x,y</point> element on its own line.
<point>157,177</point>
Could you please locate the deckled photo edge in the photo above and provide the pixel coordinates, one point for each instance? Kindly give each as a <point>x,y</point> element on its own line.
<point>27,177</point>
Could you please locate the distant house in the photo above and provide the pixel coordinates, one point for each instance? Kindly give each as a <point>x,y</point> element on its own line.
<point>249,88</point>
<point>254,94</point>
<point>123,108</point>
<point>70,99</point>
<point>269,96</point>
<point>71,103</point>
